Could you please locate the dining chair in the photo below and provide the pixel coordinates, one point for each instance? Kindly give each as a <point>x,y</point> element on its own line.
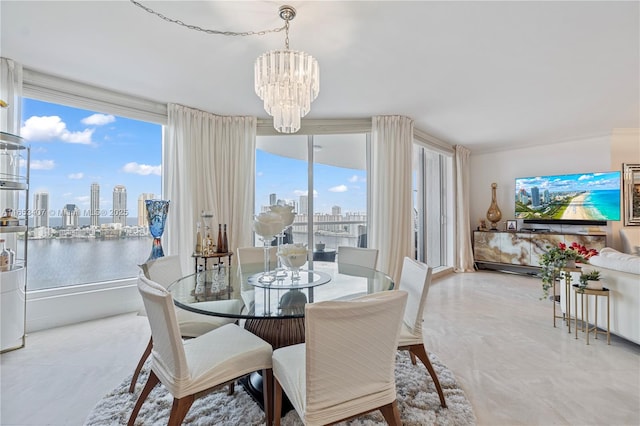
<point>359,256</point>
<point>189,367</point>
<point>164,271</point>
<point>346,367</point>
<point>415,279</point>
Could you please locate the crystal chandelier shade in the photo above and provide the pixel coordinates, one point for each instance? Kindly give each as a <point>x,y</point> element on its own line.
<point>287,81</point>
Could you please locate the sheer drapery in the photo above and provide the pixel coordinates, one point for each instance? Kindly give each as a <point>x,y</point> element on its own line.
<point>208,165</point>
<point>391,206</point>
<point>11,93</point>
<point>463,252</point>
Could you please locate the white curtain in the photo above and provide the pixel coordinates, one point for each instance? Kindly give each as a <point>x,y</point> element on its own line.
<point>11,93</point>
<point>391,206</point>
<point>464,252</point>
<point>209,164</point>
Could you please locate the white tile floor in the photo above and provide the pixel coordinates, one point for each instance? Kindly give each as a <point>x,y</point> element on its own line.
<point>489,328</point>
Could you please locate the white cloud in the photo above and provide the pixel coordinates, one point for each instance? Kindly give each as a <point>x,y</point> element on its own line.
<point>141,169</point>
<point>83,199</point>
<point>356,178</point>
<point>42,164</point>
<point>42,129</point>
<point>98,119</point>
<point>259,174</point>
<point>339,188</point>
<point>79,175</point>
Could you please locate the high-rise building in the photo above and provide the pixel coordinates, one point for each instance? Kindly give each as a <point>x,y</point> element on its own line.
<point>273,200</point>
<point>41,209</point>
<point>535,196</point>
<point>94,213</point>
<point>142,209</point>
<point>336,210</point>
<point>304,204</point>
<point>70,216</point>
<point>120,205</point>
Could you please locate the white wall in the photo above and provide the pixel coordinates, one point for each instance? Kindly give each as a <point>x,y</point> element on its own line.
<point>577,156</point>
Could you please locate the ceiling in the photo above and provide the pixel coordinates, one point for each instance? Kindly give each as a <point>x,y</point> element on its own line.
<point>486,75</point>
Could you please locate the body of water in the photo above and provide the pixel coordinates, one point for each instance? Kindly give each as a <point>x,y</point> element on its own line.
<point>64,262</point>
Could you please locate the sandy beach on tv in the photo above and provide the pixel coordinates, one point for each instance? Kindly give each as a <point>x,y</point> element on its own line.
<point>576,209</point>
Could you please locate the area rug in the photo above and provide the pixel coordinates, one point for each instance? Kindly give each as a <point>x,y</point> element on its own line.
<point>418,403</point>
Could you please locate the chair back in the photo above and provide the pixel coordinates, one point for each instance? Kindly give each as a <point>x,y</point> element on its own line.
<point>415,280</point>
<point>163,270</point>
<point>248,255</point>
<point>630,239</point>
<point>350,354</point>
<point>359,256</point>
<point>168,356</point>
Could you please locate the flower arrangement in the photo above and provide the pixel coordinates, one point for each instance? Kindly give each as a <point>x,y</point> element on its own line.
<point>557,258</point>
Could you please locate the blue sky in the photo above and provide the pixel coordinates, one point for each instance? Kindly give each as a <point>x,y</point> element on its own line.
<point>72,148</point>
<point>287,178</point>
<point>571,182</point>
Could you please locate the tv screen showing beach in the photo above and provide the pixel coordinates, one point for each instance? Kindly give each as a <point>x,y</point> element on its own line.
<point>583,196</point>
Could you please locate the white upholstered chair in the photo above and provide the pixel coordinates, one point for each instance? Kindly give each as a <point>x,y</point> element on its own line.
<point>358,256</point>
<point>189,367</point>
<point>346,366</point>
<point>415,280</point>
<point>166,270</point>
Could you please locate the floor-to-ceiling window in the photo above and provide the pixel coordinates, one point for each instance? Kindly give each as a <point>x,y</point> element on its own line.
<point>325,178</point>
<point>433,206</point>
<point>90,174</point>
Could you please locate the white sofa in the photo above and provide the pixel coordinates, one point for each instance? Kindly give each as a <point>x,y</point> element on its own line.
<point>620,273</point>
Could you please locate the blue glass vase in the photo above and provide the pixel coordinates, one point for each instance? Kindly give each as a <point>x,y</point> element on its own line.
<point>156,215</point>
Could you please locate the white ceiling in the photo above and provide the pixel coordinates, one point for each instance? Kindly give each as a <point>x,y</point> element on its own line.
<point>481,74</point>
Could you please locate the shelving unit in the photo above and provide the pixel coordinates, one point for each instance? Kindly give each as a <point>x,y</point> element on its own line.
<point>15,157</point>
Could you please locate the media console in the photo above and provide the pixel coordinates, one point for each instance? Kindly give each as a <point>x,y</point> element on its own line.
<point>500,249</point>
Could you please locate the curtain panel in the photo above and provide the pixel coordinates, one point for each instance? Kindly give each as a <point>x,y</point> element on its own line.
<point>463,251</point>
<point>209,165</point>
<point>391,206</point>
<point>11,93</point>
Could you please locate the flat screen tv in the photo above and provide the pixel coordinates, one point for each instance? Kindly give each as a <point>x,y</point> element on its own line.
<point>572,198</point>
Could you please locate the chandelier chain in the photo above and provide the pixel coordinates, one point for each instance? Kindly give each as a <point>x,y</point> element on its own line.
<point>216,32</point>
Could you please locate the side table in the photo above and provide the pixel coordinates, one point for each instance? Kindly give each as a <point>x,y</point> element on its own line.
<point>206,258</point>
<point>566,274</point>
<point>584,304</point>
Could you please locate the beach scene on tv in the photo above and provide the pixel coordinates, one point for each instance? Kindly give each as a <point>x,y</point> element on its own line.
<point>583,196</point>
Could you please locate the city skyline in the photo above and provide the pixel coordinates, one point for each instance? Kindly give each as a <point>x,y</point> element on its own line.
<point>73,148</point>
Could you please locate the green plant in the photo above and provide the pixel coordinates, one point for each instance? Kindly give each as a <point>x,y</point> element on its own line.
<point>556,258</point>
<point>589,276</point>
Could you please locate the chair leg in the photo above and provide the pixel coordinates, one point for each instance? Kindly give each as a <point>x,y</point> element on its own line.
<point>277,402</point>
<point>152,381</point>
<point>180,409</point>
<point>231,388</point>
<point>143,358</point>
<point>413,357</point>
<point>267,391</point>
<point>391,414</point>
<point>421,353</point>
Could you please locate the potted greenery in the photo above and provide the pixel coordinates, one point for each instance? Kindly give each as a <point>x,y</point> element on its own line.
<point>559,257</point>
<point>590,280</point>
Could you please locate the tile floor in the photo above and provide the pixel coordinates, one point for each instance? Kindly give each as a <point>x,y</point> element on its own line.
<point>489,328</point>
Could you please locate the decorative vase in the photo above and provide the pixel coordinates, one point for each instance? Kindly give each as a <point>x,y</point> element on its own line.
<point>571,263</point>
<point>157,216</point>
<point>494,214</point>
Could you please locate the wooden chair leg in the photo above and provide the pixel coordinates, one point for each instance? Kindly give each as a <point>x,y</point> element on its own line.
<point>421,353</point>
<point>143,358</point>
<point>231,388</point>
<point>391,414</point>
<point>267,391</point>
<point>413,358</point>
<point>277,402</point>
<point>152,381</point>
<point>180,409</point>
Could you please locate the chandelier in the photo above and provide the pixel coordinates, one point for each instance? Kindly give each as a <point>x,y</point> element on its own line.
<point>287,81</point>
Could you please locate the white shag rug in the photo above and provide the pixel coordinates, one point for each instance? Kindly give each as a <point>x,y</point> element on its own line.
<point>417,397</point>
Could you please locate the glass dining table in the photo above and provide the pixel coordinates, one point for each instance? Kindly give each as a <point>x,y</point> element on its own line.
<point>274,311</point>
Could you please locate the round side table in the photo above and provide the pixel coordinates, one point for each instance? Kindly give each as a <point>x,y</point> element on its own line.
<point>584,303</point>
